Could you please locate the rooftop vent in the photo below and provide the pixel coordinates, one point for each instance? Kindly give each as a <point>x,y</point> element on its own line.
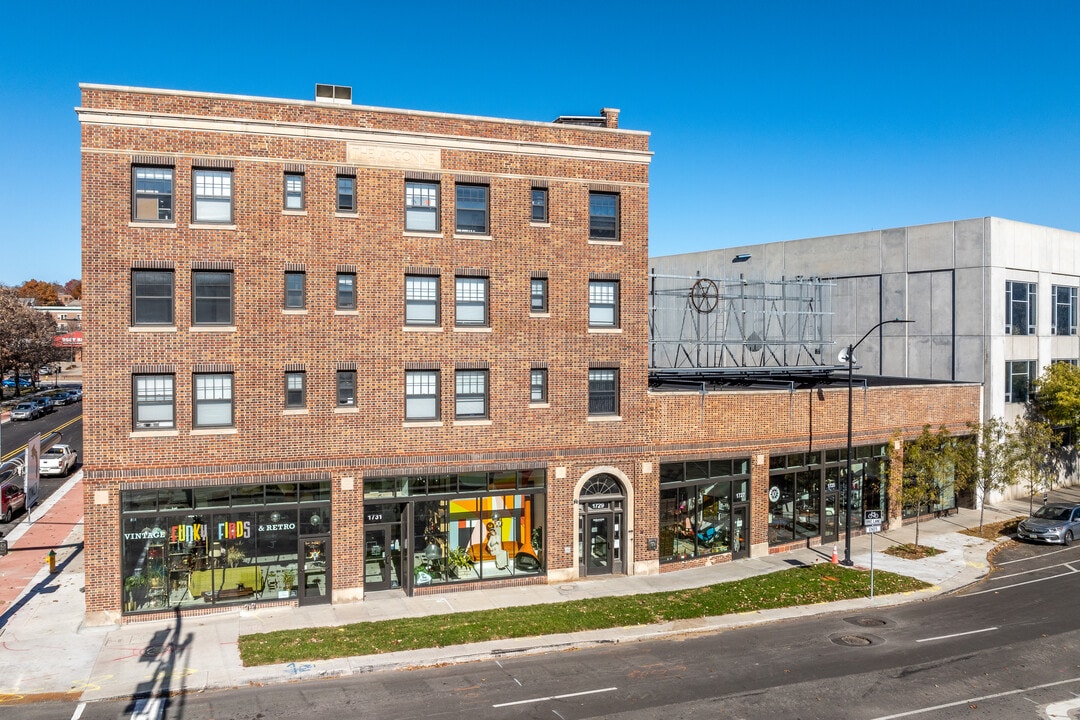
<point>609,117</point>
<point>340,94</point>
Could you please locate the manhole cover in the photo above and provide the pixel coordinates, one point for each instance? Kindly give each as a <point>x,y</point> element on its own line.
<point>867,621</point>
<point>852,640</point>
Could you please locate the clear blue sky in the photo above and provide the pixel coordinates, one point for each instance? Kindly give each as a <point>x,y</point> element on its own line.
<point>769,120</point>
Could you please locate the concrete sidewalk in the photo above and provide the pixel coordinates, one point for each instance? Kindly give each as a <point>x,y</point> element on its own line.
<point>50,653</point>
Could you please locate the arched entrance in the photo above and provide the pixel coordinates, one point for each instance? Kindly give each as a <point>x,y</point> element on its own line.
<point>601,526</point>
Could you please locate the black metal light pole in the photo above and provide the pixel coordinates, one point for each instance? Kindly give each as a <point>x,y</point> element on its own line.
<point>848,479</point>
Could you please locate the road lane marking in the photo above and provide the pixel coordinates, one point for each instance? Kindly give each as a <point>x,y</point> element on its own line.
<point>923,711</point>
<point>946,637</point>
<point>1060,710</point>
<point>1021,584</point>
<point>22,448</point>
<point>554,697</point>
<point>78,711</point>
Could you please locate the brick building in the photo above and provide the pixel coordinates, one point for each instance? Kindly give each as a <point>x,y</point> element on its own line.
<point>335,349</point>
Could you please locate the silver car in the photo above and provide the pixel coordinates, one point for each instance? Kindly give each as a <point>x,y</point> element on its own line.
<point>1053,523</point>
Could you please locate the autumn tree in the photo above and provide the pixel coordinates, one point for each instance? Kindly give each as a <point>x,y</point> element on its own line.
<point>43,293</point>
<point>74,288</point>
<point>929,466</point>
<point>1033,444</point>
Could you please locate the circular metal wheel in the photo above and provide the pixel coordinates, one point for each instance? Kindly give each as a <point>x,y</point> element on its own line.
<point>704,295</point>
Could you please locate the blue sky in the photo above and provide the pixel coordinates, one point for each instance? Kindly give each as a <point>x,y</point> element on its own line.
<point>769,120</point>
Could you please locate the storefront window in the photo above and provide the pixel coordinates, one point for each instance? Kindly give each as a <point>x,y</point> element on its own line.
<point>696,500</point>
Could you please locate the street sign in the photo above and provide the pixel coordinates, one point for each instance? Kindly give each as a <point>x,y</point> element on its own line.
<point>872,520</point>
<point>873,528</point>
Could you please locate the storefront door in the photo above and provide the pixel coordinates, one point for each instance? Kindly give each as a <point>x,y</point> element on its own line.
<point>599,545</point>
<point>378,565</point>
<point>829,515</point>
<point>313,581</point>
<point>740,527</point>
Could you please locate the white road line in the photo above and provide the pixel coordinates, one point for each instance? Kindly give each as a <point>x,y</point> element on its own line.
<point>1047,554</point>
<point>1014,585</point>
<point>1060,710</point>
<point>946,637</point>
<point>78,711</point>
<point>554,697</point>
<point>923,711</point>
<point>1036,570</point>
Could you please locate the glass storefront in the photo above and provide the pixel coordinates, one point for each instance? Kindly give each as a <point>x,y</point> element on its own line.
<point>424,530</point>
<point>703,508</point>
<point>190,547</point>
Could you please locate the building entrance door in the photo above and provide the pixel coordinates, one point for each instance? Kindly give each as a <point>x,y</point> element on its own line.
<point>600,527</point>
<point>740,527</point>
<point>830,531</point>
<point>313,577</point>
<point>382,557</point>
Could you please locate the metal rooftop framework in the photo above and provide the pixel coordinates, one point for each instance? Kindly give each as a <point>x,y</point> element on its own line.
<point>708,323</point>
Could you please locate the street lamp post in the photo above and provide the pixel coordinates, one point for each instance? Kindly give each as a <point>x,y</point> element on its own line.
<point>848,480</point>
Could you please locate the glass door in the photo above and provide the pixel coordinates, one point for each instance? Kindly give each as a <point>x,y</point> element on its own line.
<point>313,581</point>
<point>740,546</point>
<point>599,545</point>
<point>829,527</point>
<point>376,558</point>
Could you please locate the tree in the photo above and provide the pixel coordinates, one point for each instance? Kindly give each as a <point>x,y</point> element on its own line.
<point>1055,396</point>
<point>43,293</point>
<point>1033,444</point>
<point>26,336</point>
<point>929,466</point>
<point>74,288</point>
<point>986,462</point>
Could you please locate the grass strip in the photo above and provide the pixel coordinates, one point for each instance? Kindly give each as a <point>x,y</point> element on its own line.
<point>807,585</point>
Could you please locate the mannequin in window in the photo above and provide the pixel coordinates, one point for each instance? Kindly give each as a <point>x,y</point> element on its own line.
<point>494,546</point>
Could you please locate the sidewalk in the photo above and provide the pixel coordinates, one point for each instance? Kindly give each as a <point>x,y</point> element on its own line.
<point>52,655</point>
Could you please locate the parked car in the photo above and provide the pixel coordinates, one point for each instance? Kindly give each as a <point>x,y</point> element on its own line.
<point>12,500</point>
<point>58,460</point>
<point>1053,523</point>
<point>26,411</point>
<point>23,382</point>
<point>62,397</point>
<point>75,393</point>
<point>44,403</point>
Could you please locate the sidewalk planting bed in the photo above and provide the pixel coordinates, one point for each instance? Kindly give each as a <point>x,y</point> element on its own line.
<point>807,585</point>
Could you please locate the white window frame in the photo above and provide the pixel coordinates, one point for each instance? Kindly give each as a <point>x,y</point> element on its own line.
<point>213,400</point>
<point>421,206</point>
<point>471,394</point>
<point>212,196</point>
<point>1014,371</point>
<point>421,395</point>
<point>152,186</point>
<point>604,303</point>
<point>422,300</point>
<point>1064,315</point>
<point>153,401</point>
<point>1026,307</point>
<point>471,301</point>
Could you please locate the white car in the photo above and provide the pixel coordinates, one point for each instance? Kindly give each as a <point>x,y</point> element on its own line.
<point>58,460</point>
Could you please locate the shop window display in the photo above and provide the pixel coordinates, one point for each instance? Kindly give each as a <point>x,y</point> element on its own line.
<point>696,507</point>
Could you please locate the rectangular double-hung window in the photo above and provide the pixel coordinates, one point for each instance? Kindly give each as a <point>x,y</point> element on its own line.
<point>538,378</point>
<point>603,391</point>
<point>294,191</point>
<point>1064,310</point>
<point>472,209</point>
<point>295,285</point>
<point>346,388</point>
<point>471,394</point>
<point>212,196</point>
<point>539,205</point>
<point>422,206</point>
<point>213,400</point>
<point>603,216</point>
<point>154,405</point>
<point>421,300</point>
<point>346,193</point>
<point>604,303</point>
<point>471,301</point>
<point>1020,308</point>
<point>212,297</point>
<point>421,395</point>
<point>295,390</point>
<point>538,295</point>
<point>151,297</point>
<point>346,291</point>
<point>152,190</point>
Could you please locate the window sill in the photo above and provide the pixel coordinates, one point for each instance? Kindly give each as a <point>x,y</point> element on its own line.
<point>211,226</point>
<point>604,418</point>
<point>151,224</point>
<point>471,236</point>
<point>605,331</point>
<point>533,406</point>
<point>534,223</point>
<point>471,423</point>
<point>296,213</point>
<point>421,423</point>
<point>295,411</point>
<point>214,431</point>
<point>152,328</point>
<point>212,328</point>
<point>353,215</point>
<point>294,311</point>
<point>153,433</point>
<point>593,241</point>
<point>472,329</point>
<point>422,233</point>
<point>346,410</point>
<point>540,315</point>
<point>421,328</point>
<point>346,312</point>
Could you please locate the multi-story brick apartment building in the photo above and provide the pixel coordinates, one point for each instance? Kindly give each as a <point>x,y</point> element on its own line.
<point>335,349</point>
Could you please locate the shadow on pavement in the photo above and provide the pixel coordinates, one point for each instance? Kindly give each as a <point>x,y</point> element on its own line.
<point>49,585</point>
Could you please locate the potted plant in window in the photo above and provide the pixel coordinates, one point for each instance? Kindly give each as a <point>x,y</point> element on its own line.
<point>135,589</point>
<point>458,560</point>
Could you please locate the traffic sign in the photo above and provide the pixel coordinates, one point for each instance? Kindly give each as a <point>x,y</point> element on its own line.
<point>872,520</point>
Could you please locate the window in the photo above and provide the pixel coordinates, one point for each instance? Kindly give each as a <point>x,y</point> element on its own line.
<point>421,395</point>
<point>212,302</point>
<point>538,295</point>
<point>421,300</point>
<point>472,209</point>
<point>1018,377</point>
<point>603,303</point>
<point>471,301</point>
<point>539,205</point>
<point>422,206</point>
<point>152,297</point>
<point>604,391</point>
<point>154,405</point>
<point>346,194</point>
<point>603,216</point>
<point>295,389</point>
<point>213,400</point>
<point>294,191</point>
<point>470,394</point>
<point>153,194</point>
<point>213,201</point>
<point>1064,310</point>
<point>538,385</point>
<point>295,283</point>
<point>346,388</point>
<point>346,291</point>
<point>1019,308</point>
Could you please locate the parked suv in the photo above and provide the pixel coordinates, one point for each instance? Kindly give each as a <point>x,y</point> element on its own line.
<point>12,499</point>
<point>44,403</point>
<point>26,411</point>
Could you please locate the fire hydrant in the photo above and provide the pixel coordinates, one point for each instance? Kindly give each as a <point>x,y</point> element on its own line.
<point>52,561</point>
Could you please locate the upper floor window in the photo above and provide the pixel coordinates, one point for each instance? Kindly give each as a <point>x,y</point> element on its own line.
<point>603,391</point>
<point>538,385</point>
<point>346,291</point>
<point>471,394</point>
<point>152,188</point>
<point>472,209</point>
<point>346,388</point>
<point>421,300</point>
<point>539,205</point>
<point>1064,310</point>
<point>422,206</point>
<point>295,286</point>
<point>213,400</point>
<point>213,196</point>
<point>154,403</point>
<point>538,295</point>
<point>603,303</point>
<point>294,191</point>
<point>603,216</point>
<point>1018,377</point>
<point>471,301</point>
<point>295,389</point>
<point>151,297</point>
<point>1020,308</point>
<point>212,301</point>
<point>346,193</point>
<point>421,395</point>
